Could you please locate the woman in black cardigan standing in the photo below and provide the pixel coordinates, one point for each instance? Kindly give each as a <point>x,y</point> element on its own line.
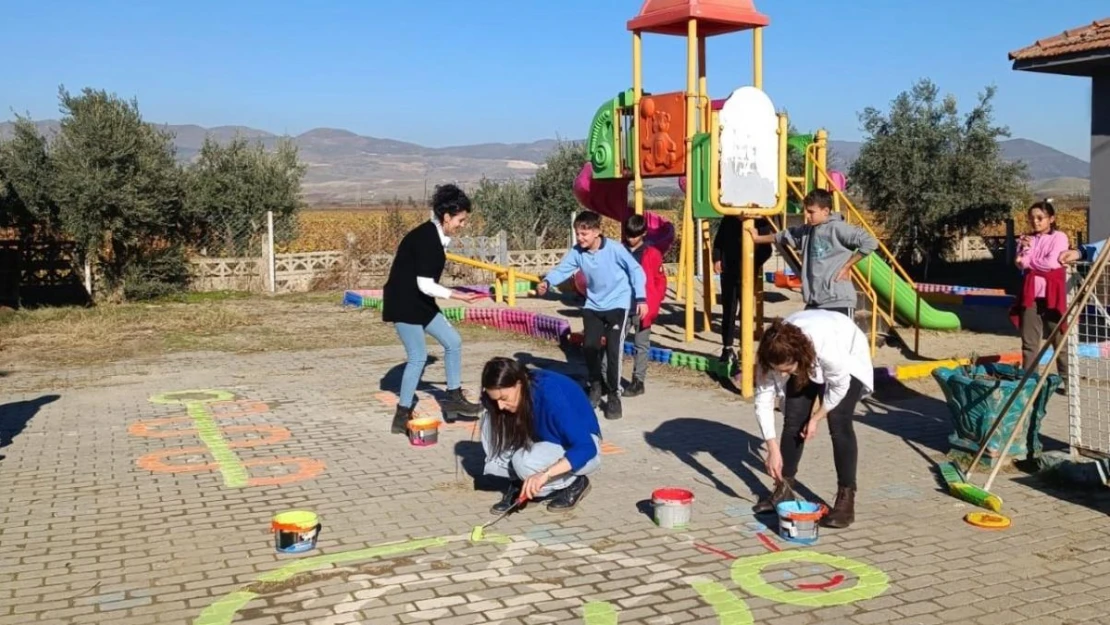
<point>409,303</point>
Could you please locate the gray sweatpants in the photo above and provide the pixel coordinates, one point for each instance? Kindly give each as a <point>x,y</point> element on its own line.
<point>524,463</point>
<point>642,342</point>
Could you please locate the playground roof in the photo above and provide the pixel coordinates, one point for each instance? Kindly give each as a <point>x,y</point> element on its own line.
<point>1077,51</point>
<point>715,17</point>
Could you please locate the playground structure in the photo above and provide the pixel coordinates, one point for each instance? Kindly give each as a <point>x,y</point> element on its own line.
<point>730,158</point>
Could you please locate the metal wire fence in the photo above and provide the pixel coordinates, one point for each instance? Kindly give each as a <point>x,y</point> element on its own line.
<point>1089,369</point>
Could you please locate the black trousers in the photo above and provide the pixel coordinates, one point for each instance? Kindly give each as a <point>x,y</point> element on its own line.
<point>796,410</point>
<point>730,302</point>
<point>612,325</point>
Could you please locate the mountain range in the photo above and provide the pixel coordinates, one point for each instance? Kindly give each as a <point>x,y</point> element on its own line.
<point>348,168</point>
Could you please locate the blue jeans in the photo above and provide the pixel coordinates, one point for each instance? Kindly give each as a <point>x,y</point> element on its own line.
<point>412,337</point>
<point>521,464</point>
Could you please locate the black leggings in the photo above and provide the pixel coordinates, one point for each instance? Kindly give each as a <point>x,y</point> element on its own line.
<point>797,409</point>
<point>730,305</point>
<point>730,302</point>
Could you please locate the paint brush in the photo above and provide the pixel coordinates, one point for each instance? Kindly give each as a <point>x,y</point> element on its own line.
<point>478,531</point>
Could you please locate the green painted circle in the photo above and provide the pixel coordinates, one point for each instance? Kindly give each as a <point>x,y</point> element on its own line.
<point>192,397</point>
<point>748,574</point>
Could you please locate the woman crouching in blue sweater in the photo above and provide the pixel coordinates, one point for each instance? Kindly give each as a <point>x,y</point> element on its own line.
<point>539,431</point>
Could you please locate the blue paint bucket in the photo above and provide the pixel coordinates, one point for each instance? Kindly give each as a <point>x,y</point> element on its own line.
<point>799,520</point>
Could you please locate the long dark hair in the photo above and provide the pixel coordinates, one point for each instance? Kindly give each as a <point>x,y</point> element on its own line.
<point>510,431</point>
<point>1048,209</point>
<point>784,343</point>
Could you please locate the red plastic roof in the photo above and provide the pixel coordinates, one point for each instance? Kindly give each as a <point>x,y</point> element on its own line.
<point>715,17</point>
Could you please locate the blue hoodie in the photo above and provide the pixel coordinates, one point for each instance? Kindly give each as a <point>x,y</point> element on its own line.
<point>563,415</point>
<point>612,276</point>
<point>1089,252</point>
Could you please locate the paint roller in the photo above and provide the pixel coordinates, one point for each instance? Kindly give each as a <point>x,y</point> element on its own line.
<point>478,532</point>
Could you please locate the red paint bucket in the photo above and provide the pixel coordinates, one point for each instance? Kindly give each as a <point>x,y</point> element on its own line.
<point>673,507</point>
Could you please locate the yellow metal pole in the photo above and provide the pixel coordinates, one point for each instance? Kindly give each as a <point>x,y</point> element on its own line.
<point>822,140</point>
<point>705,245</point>
<point>634,140</point>
<point>747,307</point>
<point>680,277</point>
<point>498,292</point>
<point>703,91</point>
<point>759,280</point>
<point>512,287</point>
<point>757,57</point>
<point>747,256</point>
<point>707,290</point>
<point>688,221</point>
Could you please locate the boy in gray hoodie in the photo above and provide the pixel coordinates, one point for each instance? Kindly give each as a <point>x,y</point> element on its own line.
<point>829,247</point>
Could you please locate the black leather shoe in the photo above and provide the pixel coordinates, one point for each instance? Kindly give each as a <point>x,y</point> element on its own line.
<point>568,498</point>
<point>455,403</point>
<point>613,409</point>
<point>401,419</point>
<point>508,499</point>
<point>635,389</point>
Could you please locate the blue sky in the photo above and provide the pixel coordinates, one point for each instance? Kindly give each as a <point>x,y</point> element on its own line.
<point>448,72</point>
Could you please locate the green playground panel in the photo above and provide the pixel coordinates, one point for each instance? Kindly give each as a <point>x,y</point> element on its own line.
<point>601,145</point>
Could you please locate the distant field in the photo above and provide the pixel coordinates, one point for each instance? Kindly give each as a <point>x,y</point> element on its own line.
<point>378,229</point>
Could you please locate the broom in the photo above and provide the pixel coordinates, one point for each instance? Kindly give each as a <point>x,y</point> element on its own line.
<point>958,481</point>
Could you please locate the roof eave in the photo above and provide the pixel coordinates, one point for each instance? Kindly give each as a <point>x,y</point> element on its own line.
<point>1084,63</point>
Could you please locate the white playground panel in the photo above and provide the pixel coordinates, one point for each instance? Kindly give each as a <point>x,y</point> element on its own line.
<point>1089,370</point>
<point>749,149</point>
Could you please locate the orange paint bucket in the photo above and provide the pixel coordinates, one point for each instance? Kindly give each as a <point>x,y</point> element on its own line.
<point>423,431</point>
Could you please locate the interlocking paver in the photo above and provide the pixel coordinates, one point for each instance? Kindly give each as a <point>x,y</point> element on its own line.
<point>92,537</point>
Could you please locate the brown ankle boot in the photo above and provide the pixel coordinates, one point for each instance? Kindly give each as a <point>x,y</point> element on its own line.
<point>843,512</point>
<point>784,491</point>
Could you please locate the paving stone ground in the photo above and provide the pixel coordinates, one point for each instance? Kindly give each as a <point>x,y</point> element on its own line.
<point>118,510</point>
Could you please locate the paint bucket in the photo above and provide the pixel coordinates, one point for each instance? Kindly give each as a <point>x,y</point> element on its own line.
<point>295,531</point>
<point>424,431</point>
<point>798,520</point>
<point>672,507</point>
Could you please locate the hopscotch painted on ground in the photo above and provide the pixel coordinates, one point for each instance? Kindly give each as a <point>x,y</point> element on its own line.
<point>206,412</point>
<point>761,575</point>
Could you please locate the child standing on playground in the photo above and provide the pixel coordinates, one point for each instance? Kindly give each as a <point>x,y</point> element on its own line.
<point>726,263</point>
<point>651,261</point>
<point>1044,295</point>
<point>613,281</point>
<point>829,247</point>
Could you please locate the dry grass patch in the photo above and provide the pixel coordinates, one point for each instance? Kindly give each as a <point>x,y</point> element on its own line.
<point>226,322</point>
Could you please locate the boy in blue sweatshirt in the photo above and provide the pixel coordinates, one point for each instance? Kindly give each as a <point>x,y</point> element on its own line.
<point>1086,253</point>
<point>614,282</point>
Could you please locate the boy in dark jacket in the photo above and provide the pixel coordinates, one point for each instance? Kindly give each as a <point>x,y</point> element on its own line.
<point>635,227</point>
<point>726,263</point>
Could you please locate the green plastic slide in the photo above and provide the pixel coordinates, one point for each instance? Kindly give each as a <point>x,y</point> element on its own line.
<point>905,298</point>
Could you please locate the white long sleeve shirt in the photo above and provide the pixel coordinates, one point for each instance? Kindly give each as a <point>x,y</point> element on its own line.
<point>842,353</point>
<point>430,287</point>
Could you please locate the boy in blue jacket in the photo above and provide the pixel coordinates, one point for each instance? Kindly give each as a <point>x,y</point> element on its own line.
<point>614,282</point>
